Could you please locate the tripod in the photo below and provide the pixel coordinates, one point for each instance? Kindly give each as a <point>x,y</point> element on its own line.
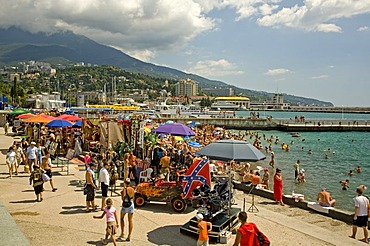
<point>253,206</point>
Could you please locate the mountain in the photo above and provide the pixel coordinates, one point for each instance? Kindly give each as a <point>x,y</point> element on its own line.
<point>19,45</point>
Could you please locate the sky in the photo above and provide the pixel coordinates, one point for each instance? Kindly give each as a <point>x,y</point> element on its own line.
<point>312,48</point>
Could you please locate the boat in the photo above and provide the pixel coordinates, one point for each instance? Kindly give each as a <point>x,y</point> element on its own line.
<point>295,134</point>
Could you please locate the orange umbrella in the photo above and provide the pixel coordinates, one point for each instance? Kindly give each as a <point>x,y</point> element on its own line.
<point>37,119</point>
<point>69,117</point>
<point>25,116</point>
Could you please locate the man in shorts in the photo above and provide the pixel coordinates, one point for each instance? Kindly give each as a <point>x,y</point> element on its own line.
<point>360,219</point>
<point>104,183</point>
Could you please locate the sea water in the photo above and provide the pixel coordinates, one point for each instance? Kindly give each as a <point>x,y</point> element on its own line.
<point>351,149</point>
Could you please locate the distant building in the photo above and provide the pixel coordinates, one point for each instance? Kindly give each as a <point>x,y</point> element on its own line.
<point>45,101</point>
<point>276,102</point>
<point>186,87</point>
<point>224,92</point>
<point>231,103</point>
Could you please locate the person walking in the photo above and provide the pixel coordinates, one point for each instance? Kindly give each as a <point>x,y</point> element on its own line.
<point>246,235</point>
<point>19,156</point>
<point>46,165</point>
<point>11,162</point>
<point>31,154</point>
<point>127,195</point>
<point>203,239</point>
<point>112,222</point>
<point>6,128</point>
<point>278,187</point>
<point>165,165</point>
<point>104,182</point>
<point>37,182</point>
<point>90,187</point>
<point>361,216</point>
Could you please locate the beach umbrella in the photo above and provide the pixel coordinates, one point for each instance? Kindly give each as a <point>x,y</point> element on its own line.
<point>47,116</point>
<point>78,124</point>
<point>228,150</point>
<point>179,139</point>
<point>25,116</point>
<point>69,117</point>
<point>59,123</point>
<point>175,129</point>
<point>37,119</point>
<point>19,111</point>
<point>194,144</point>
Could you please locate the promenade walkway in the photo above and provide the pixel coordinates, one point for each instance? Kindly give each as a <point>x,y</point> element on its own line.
<point>61,220</point>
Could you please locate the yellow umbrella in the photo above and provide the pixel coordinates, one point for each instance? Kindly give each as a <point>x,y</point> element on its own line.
<point>146,129</point>
<point>179,139</point>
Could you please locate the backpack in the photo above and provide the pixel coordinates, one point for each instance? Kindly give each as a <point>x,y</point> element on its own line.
<point>126,200</point>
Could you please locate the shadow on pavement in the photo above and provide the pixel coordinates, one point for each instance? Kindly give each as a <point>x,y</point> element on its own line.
<point>267,203</point>
<point>28,191</point>
<point>24,201</point>
<point>78,209</point>
<point>157,236</point>
<point>163,208</point>
<point>94,242</point>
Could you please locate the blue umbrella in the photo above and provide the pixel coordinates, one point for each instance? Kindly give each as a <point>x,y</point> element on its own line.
<point>59,123</point>
<point>194,144</point>
<point>78,124</point>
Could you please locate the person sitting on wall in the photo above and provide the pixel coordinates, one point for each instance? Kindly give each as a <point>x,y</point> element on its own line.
<point>324,198</point>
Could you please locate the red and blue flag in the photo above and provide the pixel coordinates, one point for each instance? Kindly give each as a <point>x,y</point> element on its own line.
<point>198,174</point>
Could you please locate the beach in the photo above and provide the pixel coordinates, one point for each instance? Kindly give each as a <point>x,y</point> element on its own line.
<point>61,220</point>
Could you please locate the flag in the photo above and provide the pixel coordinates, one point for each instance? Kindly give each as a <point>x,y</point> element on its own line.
<point>197,174</point>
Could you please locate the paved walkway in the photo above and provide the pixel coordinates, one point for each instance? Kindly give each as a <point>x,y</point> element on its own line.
<point>61,220</point>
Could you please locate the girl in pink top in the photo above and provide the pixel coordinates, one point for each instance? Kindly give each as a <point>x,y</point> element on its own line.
<point>112,221</point>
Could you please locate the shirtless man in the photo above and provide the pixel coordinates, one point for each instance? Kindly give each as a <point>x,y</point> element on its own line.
<point>165,165</point>
<point>324,198</point>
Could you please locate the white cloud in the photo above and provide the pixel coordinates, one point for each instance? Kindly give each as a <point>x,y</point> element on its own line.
<point>278,71</point>
<point>131,25</point>
<point>324,76</point>
<point>316,15</point>
<point>363,29</point>
<point>328,28</point>
<point>331,66</point>
<point>215,68</point>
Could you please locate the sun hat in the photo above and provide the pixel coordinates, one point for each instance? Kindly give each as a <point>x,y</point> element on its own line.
<point>33,143</point>
<point>323,188</point>
<point>199,216</point>
<point>266,169</point>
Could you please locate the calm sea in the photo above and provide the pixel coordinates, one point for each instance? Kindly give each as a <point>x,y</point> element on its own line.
<point>351,148</point>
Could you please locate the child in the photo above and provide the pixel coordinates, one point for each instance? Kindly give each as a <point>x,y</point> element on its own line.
<point>203,239</point>
<point>112,221</point>
<point>37,182</point>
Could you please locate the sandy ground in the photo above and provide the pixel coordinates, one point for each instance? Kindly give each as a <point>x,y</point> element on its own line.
<point>61,220</point>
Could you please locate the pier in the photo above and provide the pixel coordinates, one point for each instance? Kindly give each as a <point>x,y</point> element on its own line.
<point>240,123</point>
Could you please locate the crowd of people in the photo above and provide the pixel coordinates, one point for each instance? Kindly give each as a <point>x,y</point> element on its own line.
<point>170,157</point>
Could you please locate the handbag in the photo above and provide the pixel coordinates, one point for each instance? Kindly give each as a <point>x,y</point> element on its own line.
<point>262,239</point>
<point>45,177</point>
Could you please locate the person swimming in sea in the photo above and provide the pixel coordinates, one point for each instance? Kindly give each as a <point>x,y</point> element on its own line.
<point>309,152</point>
<point>350,173</point>
<point>344,184</point>
<point>358,169</point>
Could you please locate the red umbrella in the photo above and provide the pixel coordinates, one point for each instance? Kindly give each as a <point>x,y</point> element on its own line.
<point>69,117</point>
<point>48,116</point>
<point>25,116</point>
